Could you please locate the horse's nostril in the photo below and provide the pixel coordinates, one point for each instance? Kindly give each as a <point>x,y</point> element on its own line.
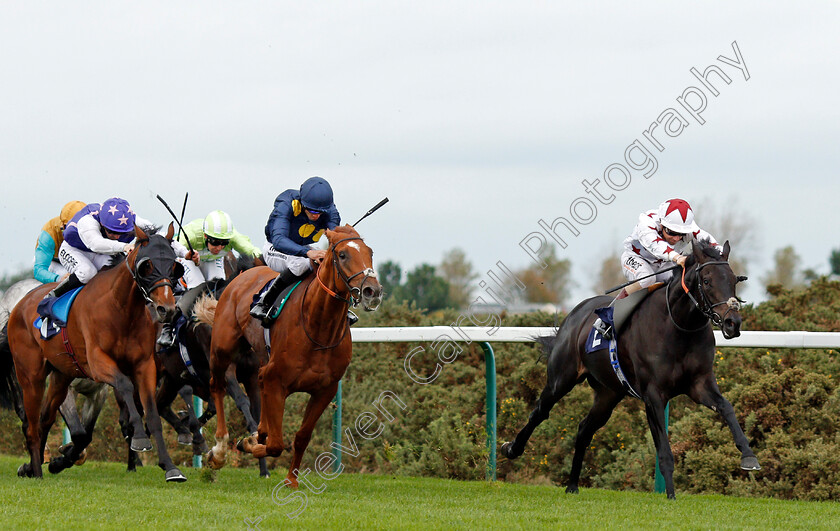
<point>368,292</point>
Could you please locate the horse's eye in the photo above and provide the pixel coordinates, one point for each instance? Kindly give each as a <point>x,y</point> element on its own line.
<point>706,281</point>
<point>342,255</point>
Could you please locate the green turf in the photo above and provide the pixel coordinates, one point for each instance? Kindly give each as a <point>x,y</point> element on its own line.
<point>104,496</point>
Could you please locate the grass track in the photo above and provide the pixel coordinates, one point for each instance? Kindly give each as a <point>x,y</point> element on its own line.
<point>104,496</point>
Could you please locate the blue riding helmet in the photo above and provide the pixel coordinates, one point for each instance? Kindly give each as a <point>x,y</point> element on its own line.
<point>116,215</point>
<point>316,194</point>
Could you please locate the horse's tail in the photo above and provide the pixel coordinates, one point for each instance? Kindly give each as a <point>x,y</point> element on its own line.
<point>546,345</point>
<point>205,310</point>
<point>9,386</point>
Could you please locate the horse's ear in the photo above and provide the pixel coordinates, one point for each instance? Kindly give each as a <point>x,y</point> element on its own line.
<point>140,233</point>
<point>330,234</point>
<point>725,252</point>
<point>171,231</point>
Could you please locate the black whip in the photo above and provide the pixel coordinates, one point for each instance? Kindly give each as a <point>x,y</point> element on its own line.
<point>180,227</point>
<point>371,211</point>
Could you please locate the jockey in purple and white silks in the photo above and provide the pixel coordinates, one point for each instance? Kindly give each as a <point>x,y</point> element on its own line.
<point>47,268</point>
<point>94,235</point>
<point>661,237</point>
<point>299,220</point>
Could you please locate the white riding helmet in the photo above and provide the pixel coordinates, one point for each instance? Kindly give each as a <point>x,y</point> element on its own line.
<point>676,215</point>
<point>218,224</point>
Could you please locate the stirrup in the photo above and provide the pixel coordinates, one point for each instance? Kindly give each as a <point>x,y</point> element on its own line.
<point>602,327</point>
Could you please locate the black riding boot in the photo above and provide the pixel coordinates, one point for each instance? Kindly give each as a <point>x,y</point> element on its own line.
<point>70,283</point>
<point>167,332</point>
<point>262,310</point>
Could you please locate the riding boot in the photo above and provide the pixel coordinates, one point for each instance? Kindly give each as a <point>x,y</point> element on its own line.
<point>352,318</point>
<point>70,283</point>
<point>264,306</point>
<point>167,332</point>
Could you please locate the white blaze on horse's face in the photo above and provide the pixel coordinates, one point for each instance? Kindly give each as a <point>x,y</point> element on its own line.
<point>354,245</point>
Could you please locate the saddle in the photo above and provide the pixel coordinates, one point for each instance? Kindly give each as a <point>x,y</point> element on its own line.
<point>277,307</point>
<point>611,319</point>
<point>53,313</point>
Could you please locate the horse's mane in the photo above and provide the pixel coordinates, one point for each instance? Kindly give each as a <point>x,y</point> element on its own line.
<point>708,249</point>
<point>346,230</point>
<point>204,310</point>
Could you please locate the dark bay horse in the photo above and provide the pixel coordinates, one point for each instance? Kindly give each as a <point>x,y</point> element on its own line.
<point>110,338</point>
<point>310,343</point>
<point>174,376</point>
<point>665,349</point>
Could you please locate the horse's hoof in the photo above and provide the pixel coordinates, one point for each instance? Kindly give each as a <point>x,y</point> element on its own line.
<point>23,471</point>
<point>175,475</point>
<point>750,463</point>
<point>572,489</point>
<point>141,445</point>
<point>82,458</point>
<point>213,462</point>
<point>507,451</point>
<point>185,438</point>
<point>57,464</point>
<point>66,449</point>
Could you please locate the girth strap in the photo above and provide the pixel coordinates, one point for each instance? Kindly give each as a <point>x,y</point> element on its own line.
<point>69,348</point>
<point>619,373</point>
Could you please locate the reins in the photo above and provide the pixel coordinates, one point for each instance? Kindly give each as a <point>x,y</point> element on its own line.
<point>707,308</point>
<point>354,293</point>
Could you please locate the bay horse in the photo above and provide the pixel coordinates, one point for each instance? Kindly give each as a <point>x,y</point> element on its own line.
<point>310,345</point>
<point>665,349</point>
<point>110,338</point>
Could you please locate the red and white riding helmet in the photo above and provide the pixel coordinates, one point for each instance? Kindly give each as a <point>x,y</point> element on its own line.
<point>676,215</point>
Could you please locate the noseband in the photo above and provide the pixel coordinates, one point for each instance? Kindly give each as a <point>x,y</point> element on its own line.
<point>355,293</point>
<point>147,285</point>
<point>707,307</point>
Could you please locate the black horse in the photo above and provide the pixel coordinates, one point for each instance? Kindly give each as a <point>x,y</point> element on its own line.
<point>666,348</point>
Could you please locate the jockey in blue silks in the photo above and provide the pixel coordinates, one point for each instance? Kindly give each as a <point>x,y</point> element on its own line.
<point>299,220</point>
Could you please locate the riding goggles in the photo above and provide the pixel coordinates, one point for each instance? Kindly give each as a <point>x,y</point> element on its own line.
<point>216,241</point>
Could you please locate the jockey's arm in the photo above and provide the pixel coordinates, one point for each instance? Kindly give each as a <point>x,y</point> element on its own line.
<point>242,245</point>
<point>89,232</point>
<point>651,240</point>
<point>280,228</point>
<point>44,252</point>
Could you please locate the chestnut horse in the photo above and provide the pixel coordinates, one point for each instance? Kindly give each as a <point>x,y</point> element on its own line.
<point>310,346</point>
<point>110,338</point>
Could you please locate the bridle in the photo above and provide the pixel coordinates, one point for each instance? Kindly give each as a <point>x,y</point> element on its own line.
<point>147,284</point>
<point>354,292</point>
<point>707,307</point>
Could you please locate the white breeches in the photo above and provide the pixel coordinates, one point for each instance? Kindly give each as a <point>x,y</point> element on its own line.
<point>298,265</point>
<point>84,264</point>
<point>206,270</point>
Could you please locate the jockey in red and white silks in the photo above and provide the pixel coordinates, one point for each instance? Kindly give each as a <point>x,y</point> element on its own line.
<point>661,237</point>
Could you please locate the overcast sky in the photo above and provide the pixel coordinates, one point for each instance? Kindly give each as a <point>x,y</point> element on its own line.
<point>476,119</point>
